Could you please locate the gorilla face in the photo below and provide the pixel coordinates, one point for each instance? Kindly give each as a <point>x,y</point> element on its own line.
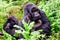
<point>35,13</point>
<point>32,12</point>
<point>12,20</point>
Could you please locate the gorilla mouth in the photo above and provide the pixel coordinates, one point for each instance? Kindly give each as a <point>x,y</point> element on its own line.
<point>36,18</point>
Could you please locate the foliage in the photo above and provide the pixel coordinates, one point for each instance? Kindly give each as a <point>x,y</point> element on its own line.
<point>7,36</point>
<point>35,35</point>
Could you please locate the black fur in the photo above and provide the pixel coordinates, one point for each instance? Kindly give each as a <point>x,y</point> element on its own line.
<point>45,26</point>
<point>8,25</point>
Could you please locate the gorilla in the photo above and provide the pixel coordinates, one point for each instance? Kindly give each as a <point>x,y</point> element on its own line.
<point>31,13</point>
<point>8,25</point>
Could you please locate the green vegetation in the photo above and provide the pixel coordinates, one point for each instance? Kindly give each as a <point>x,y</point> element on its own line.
<point>35,35</point>
<point>15,8</point>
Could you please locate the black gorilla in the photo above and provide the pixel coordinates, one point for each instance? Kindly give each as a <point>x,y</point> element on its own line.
<point>32,13</point>
<point>8,25</point>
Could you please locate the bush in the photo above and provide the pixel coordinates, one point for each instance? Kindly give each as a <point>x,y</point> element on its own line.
<point>35,35</point>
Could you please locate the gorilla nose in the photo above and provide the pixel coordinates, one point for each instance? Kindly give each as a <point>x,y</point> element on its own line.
<point>36,15</point>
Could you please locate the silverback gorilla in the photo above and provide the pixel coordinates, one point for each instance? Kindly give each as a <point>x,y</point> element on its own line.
<point>32,13</point>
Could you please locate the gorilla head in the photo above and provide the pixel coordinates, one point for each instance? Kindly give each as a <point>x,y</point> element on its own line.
<point>32,11</point>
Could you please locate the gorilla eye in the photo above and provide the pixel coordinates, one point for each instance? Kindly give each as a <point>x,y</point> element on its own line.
<point>34,9</point>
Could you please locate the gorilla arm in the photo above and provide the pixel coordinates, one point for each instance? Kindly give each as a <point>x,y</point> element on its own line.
<point>45,24</point>
<point>26,19</point>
